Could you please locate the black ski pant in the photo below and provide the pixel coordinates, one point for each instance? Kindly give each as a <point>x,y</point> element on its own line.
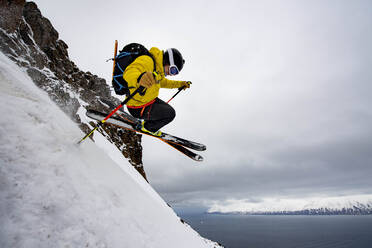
<point>156,115</point>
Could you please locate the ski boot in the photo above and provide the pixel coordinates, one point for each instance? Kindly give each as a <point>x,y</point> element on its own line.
<point>141,127</point>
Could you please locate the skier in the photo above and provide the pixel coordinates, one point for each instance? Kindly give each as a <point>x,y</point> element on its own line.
<point>139,74</point>
<point>146,105</point>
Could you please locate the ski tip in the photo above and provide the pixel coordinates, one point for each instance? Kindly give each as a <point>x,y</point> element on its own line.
<point>199,158</point>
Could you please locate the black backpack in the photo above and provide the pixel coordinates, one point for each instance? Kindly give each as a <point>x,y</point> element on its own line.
<point>126,56</point>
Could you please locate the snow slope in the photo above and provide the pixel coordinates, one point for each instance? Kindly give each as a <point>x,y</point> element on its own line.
<point>54,193</point>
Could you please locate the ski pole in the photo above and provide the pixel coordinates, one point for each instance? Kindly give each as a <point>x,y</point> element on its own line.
<point>179,90</point>
<point>140,89</point>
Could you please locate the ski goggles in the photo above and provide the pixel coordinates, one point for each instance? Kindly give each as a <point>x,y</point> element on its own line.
<point>173,69</point>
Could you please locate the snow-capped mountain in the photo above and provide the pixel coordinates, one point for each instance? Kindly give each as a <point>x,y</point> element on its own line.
<point>342,205</point>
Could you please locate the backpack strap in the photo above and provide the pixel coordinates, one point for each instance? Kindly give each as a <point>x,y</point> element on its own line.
<point>115,77</point>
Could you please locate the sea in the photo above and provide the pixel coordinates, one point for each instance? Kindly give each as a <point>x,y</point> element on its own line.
<point>280,231</point>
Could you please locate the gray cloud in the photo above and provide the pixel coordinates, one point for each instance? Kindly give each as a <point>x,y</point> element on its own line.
<point>281,91</point>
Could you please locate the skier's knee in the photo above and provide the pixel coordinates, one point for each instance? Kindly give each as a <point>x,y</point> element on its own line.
<point>171,114</point>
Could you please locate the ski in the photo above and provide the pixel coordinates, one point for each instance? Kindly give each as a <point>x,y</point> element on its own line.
<point>185,151</point>
<point>128,122</point>
<point>122,116</point>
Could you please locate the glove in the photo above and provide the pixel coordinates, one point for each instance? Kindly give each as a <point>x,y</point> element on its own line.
<point>147,79</point>
<point>185,84</point>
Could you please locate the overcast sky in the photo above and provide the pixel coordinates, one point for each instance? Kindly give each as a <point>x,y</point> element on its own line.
<point>281,91</point>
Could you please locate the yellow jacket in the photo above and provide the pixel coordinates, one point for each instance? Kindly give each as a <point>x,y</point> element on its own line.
<point>143,64</point>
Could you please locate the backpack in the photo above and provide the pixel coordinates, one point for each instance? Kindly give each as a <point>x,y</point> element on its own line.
<point>126,56</point>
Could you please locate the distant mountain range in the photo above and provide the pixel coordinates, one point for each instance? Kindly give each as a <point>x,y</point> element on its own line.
<point>345,205</point>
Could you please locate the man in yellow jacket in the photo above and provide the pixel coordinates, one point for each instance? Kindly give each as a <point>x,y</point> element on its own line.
<point>151,72</point>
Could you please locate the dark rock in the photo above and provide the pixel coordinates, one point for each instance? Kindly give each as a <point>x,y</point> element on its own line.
<point>44,34</point>
<point>11,14</point>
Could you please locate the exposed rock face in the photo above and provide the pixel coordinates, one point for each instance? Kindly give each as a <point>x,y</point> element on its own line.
<point>11,14</point>
<point>30,40</point>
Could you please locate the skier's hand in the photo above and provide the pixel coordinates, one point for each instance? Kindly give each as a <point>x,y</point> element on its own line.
<point>147,79</point>
<point>186,84</point>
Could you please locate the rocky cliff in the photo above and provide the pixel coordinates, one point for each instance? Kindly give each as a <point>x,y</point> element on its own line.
<point>30,40</point>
